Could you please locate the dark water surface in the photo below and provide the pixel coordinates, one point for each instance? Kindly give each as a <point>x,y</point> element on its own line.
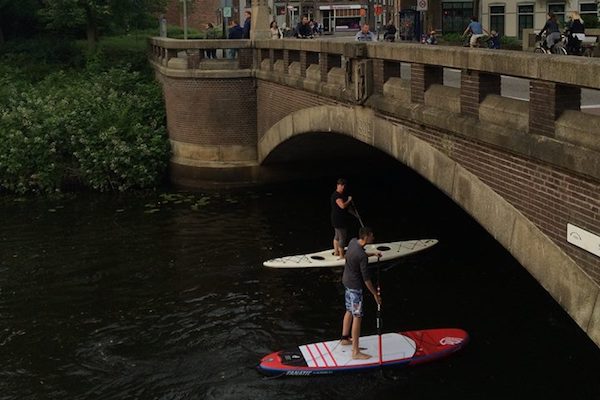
<point>162,296</point>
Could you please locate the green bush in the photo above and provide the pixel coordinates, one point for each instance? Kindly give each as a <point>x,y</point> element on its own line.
<point>510,43</point>
<point>453,38</point>
<point>591,21</point>
<point>104,130</point>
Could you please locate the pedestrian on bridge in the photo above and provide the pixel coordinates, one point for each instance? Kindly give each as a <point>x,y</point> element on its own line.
<point>365,35</point>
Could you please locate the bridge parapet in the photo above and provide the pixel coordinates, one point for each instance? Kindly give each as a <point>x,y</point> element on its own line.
<point>407,80</point>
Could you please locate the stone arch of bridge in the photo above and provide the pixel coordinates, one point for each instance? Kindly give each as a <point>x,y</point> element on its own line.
<point>551,267</point>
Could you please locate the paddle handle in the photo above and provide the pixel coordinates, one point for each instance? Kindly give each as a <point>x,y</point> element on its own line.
<point>379,320</point>
<point>357,214</point>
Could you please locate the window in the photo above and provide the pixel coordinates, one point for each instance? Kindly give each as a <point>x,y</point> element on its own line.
<point>525,17</point>
<point>456,16</point>
<point>559,10</point>
<point>589,14</point>
<point>497,19</point>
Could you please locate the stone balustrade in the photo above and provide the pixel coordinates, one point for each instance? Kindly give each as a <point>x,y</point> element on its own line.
<point>407,81</point>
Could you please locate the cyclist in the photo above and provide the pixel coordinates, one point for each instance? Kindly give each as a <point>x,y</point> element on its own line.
<point>575,34</point>
<point>552,31</point>
<point>476,30</point>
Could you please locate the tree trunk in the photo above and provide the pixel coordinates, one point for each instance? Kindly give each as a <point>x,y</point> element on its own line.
<point>1,36</point>
<point>91,28</point>
<point>92,35</point>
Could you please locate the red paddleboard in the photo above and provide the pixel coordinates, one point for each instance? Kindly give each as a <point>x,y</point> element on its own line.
<point>397,350</point>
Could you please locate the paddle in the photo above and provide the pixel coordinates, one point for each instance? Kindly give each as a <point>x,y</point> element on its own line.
<point>380,326</point>
<point>379,320</point>
<point>357,214</point>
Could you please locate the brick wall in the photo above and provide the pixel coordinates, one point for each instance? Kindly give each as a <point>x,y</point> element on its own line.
<point>547,196</point>
<point>211,111</point>
<point>277,101</point>
<point>200,12</point>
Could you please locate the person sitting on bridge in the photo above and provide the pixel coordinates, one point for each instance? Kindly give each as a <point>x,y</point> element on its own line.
<point>476,30</point>
<point>389,34</point>
<point>494,40</point>
<point>365,35</point>
<point>303,30</point>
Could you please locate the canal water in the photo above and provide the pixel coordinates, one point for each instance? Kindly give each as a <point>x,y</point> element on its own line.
<point>162,296</point>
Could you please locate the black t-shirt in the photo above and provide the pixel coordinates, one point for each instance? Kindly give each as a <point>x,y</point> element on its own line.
<point>339,216</point>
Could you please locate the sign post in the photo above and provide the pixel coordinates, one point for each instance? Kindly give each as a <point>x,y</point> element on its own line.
<point>421,8</point>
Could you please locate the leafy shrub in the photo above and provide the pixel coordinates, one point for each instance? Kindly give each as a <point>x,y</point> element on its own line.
<point>452,38</point>
<point>104,130</point>
<point>591,21</point>
<point>510,43</point>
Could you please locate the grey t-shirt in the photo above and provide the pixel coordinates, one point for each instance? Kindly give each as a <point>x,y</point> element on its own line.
<point>356,269</point>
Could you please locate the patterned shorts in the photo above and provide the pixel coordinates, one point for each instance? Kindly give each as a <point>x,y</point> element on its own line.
<point>354,302</point>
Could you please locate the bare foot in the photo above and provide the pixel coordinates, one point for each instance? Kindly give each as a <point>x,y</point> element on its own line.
<point>345,342</point>
<point>360,356</point>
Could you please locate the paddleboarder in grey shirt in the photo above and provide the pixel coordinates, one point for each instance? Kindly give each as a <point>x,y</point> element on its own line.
<point>356,272</point>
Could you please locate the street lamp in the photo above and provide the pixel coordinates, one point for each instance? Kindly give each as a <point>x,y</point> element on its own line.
<point>185,30</point>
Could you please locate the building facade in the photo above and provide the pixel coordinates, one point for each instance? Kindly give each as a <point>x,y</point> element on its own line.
<point>510,17</point>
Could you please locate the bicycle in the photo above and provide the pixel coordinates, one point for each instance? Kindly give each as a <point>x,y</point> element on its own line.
<point>559,46</point>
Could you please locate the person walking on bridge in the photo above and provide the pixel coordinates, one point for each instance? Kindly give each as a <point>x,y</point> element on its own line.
<point>365,35</point>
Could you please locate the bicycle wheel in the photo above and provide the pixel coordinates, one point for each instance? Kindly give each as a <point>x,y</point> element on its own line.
<point>560,50</point>
<point>539,50</point>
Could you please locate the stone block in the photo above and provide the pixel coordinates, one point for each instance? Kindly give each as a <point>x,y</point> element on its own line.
<point>444,97</point>
<point>398,89</point>
<point>570,286</point>
<point>505,111</point>
<point>579,128</point>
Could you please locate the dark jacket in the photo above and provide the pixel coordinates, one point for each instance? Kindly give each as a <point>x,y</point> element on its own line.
<point>247,26</point>
<point>303,30</point>
<point>576,27</point>
<point>236,32</point>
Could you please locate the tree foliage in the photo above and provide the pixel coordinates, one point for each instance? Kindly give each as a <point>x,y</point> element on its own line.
<point>18,17</point>
<point>104,130</point>
<point>98,16</point>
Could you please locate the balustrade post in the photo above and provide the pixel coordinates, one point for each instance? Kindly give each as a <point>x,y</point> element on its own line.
<point>271,59</point>
<point>171,53</point>
<point>303,64</point>
<point>286,61</point>
<point>245,58</point>
<point>474,87</point>
<point>421,78</point>
<point>327,62</point>
<point>547,100</point>
<point>382,71</point>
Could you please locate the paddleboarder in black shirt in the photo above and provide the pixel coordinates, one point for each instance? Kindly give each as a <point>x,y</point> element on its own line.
<point>340,204</point>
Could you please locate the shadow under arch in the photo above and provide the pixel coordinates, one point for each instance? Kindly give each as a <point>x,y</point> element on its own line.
<point>559,274</point>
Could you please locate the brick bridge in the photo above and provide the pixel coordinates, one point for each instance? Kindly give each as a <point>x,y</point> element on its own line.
<point>523,169</point>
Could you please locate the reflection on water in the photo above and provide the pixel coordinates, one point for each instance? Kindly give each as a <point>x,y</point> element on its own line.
<point>163,296</point>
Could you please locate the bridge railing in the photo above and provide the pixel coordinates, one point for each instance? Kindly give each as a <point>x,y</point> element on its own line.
<point>192,54</point>
<point>397,78</point>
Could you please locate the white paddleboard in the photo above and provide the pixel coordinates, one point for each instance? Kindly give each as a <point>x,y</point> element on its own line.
<point>325,258</point>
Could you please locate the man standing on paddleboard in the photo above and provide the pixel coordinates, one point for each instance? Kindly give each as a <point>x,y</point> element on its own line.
<point>340,204</point>
<point>355,273</point>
